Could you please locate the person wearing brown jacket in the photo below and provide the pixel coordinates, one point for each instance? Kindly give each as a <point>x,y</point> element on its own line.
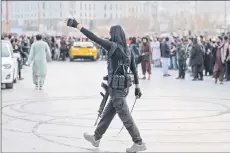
<point>146,52</point>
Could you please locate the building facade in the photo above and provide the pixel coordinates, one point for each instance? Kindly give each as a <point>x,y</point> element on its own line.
<point>51,13</point>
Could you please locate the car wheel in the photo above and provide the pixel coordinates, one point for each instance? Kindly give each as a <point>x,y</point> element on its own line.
<point>9,85</point>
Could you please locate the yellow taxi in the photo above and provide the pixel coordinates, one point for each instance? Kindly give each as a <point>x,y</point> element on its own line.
<point>83,50</point>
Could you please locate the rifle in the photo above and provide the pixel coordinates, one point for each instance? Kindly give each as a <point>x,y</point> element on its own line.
<point>103,102</point>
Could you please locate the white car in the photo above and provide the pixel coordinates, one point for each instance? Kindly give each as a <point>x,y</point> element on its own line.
<point>9,65</point>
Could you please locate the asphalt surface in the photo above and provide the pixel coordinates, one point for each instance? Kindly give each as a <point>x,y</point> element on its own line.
<point>173,115</point>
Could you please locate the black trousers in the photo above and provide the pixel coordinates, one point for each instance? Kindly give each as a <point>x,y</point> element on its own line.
<point>117,104</point>
<point>182,68</point>
<point>227,70</point>
<point>198,71</point>
<point>63,53</point>
<point>208,65</point>
<point>52,53</point>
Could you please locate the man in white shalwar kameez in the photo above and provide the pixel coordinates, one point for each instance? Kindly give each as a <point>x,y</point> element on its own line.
<point>156,53</point>
<point>39,55</point>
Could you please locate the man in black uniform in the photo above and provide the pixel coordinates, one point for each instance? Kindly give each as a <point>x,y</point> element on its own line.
<point>116,48</point>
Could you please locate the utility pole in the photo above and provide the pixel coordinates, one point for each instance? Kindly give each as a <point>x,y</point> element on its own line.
<point>225,16</point>
<point>7,17</point>
<point>196,18</point>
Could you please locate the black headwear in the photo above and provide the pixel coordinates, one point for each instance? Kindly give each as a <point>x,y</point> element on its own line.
<point>145,39</point>
<point>118,35</point>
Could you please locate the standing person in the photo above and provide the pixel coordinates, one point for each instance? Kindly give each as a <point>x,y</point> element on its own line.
<point>134,47</point>
<point>208,58</point>
<point>32,40</point>
<point>228,64</point>
<point>63,48</point>
<point>219,61</point>
<point>25,48</point>
<point>226,54</point>
<point>188,54</point>
<point>165,54</point>
<point>173,63</point>
<point>53,48</point>
<point>19,51</point>
<point>118,53</point>
<point>156,53</point>
<point>197,60</point>
<point>181,57</point>
<point>146,51</point>
<point>39,54</point>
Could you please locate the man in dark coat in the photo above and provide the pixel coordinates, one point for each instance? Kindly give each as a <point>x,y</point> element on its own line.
<point>197,60</point>
<point>181,57</point>
<point>165,54</point>
<point>208,58</point>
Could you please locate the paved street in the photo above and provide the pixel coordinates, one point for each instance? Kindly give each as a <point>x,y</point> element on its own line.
<point>173,115</point>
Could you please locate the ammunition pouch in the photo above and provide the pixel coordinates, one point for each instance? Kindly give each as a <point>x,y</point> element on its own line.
<point>120,82</point>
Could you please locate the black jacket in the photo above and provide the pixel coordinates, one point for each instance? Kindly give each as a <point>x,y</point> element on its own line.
<point>165,50</point>
<point>180,52</point>
<point>114,52</point>
<point>197,55</point>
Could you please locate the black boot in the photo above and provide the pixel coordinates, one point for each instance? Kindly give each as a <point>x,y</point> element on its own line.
<point>20,76</point>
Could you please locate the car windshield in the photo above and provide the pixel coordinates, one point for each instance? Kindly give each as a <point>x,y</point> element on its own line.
<point>83,44</point>
<point>5,50</point>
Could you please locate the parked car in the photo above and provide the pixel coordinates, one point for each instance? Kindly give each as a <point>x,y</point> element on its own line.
<point>83,50</point>
<point>9,65</point>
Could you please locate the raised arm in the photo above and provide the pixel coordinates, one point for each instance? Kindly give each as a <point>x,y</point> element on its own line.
<point>104,43</point>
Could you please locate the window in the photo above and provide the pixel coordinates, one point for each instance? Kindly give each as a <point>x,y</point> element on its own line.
<point>105,15</point>
<point>94,6</point>
<point>116,6</point>
<point>44,14</point>
<point>111,16</point>
<point>60,14</point>
<point>89,15</point>
<point>80,6</point>
<point>43,5</point>
<point>86,6</point>
<point>111,6</point>
<point>105,6</point>
<point>81,15</point>
<point>89,6</point>
<point>85,15</point>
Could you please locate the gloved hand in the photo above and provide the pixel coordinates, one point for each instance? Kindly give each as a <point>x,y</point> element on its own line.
<point>72,23</point>
<point>138,92</point>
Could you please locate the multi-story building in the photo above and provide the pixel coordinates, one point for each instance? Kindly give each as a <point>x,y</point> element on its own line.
<point>51,13</point>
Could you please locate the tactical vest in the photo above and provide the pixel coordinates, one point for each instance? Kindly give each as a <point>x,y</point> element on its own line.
<point>124,80</point>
